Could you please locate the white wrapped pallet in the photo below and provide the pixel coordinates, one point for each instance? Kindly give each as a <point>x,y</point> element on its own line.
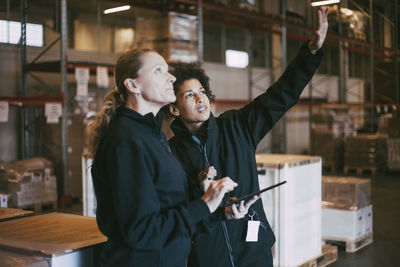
<point>353,227</point>
<point>89,197</point>
<point>294,209</point>
<point>346,224</point>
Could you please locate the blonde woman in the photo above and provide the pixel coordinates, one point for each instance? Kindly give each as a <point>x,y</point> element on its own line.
<point>141,188</point>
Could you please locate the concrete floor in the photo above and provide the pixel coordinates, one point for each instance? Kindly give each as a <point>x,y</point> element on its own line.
<point>385,249</point>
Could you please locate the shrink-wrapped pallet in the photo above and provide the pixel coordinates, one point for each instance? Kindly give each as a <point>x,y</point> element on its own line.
<point>29,182</point>
<point>348,193</point>
<point>294,209</point>
<point>347,211</point>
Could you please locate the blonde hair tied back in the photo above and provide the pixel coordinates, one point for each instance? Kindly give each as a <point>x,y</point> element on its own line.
<point>97,127</point>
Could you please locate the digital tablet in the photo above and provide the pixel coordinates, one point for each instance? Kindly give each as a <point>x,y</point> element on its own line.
<point>253,194</point>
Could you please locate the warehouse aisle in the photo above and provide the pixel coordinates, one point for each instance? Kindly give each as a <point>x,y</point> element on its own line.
<point>385,250</point>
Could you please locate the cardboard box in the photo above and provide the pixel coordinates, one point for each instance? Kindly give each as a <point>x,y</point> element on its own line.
<point>294,209</point>
<point>347,193</point>
<point>170,25</point>
<point>365,151</point>
<point>346,224</point>
<point>7,213</point>
<point>172,34</point>
<point>394,127</point>
<point>393,154</point>
<point>63,239</point>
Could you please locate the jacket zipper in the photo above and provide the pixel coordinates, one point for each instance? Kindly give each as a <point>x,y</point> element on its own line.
<point>203,152</point>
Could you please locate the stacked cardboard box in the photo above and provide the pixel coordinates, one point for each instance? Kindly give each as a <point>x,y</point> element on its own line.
<point>393,145</point>
<point>293,209</point>
<point>173,35</point>
<point>346,208</point>
<point>394,126</point>
<point>329,147</point>
<point>29,182</point>
<point>328,134</point>
<point>365,151</point>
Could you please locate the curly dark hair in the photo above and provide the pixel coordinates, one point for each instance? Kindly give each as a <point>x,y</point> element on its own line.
<point>186,71</point>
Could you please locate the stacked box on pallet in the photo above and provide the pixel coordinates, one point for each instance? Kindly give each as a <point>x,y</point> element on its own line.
<point>393,145</point>
<point>394,127</point>
<point>29,182</point>
<point>329,147</point>
<point>365,151</point>
<point>327,138</point>
<point>346,209</point>
<point>173,35</point>
<point>294,209</point>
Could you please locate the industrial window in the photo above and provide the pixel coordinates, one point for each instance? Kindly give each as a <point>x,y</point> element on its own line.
<point>10,33</point>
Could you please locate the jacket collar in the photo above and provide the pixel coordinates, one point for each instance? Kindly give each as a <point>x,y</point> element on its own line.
<point>147,119</point>
<point>179,129</point>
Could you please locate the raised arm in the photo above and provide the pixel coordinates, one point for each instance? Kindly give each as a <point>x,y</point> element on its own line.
<point>256,119</point>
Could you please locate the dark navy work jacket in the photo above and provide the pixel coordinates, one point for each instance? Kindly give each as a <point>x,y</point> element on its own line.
<point>142,195</point>
<point>230,147</point>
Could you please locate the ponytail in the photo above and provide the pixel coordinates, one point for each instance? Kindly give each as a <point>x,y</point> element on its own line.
<point>97,128</point>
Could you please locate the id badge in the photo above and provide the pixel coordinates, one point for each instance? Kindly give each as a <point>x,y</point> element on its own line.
<point>252,231</point>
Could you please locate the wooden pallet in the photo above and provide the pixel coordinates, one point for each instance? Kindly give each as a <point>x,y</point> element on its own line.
<point>329,255</point>
<point>352,245</point>
<point>38,207</point>
<point>360,170</point>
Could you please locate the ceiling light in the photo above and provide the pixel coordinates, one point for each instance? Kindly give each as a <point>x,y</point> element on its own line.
<point>236,59</point>
<point>116,9</point>
<point>322,3</point>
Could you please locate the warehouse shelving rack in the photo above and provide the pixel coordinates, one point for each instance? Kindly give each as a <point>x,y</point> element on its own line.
<point>63,66</point>
<point>250,20</point>
<point>280,25</point>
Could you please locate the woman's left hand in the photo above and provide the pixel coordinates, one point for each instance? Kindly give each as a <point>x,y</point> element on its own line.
<point>238,211</point>
<point>319,36</point>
